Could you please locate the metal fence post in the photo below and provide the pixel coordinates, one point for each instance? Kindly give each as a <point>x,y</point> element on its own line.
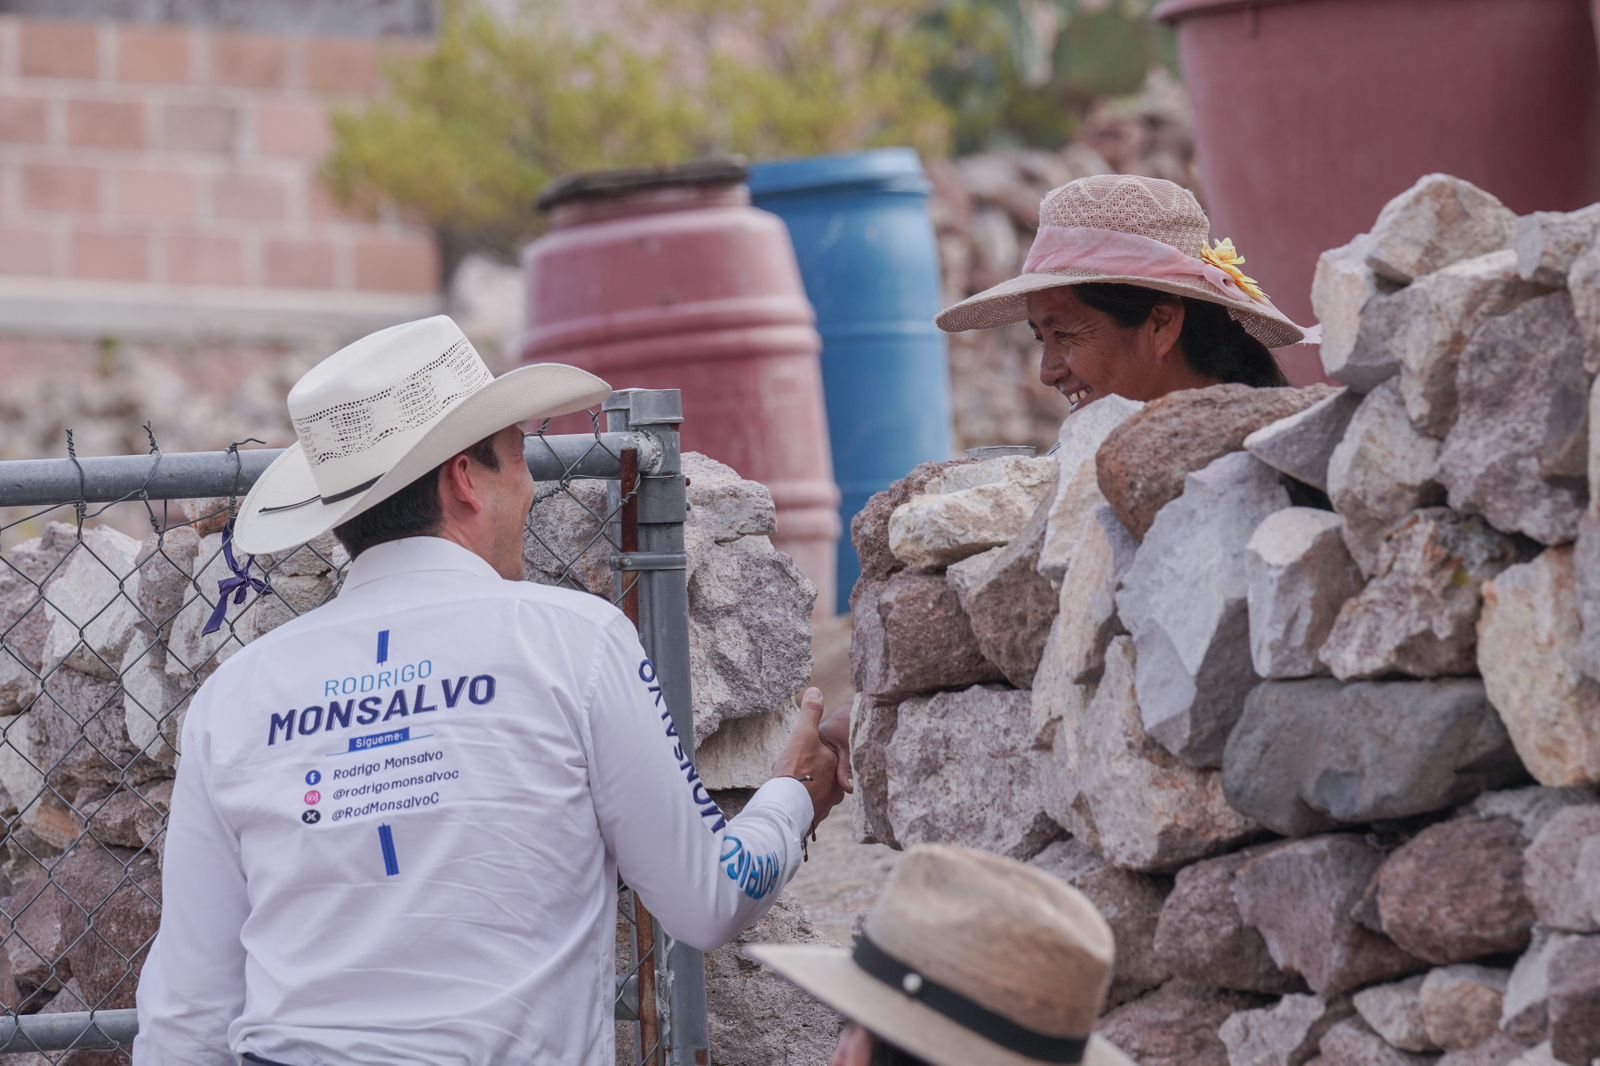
<point>664,630</point>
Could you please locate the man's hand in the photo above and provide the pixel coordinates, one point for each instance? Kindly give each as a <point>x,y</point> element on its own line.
<point>812,761</point>
<point>835,731</point>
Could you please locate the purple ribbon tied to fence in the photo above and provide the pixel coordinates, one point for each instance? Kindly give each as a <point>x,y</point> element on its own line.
<point>238,585</point>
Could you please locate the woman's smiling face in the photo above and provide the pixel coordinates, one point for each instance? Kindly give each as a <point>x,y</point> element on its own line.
<point>1085,355</point>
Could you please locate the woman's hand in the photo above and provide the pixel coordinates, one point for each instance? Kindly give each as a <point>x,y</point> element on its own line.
<point>812,760</point>
<point>835,732</point>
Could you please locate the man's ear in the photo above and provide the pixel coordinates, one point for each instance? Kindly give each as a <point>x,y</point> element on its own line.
<point>457,486</point>
<point>1166,326</point>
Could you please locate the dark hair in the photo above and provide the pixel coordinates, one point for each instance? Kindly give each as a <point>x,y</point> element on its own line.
<point>1214,343</point>
<point>414,511</point>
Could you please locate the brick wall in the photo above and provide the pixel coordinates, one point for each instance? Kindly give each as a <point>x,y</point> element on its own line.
<point>167,159</point>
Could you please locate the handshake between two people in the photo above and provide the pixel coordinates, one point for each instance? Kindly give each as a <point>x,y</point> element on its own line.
<point>818,755</point>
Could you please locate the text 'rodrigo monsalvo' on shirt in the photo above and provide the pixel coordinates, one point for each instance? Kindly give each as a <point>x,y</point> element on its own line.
<point>425,697</point>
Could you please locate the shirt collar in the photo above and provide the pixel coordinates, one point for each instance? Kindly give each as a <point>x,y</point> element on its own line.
<point>412,555</point>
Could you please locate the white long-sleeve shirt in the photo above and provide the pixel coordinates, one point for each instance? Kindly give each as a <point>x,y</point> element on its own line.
<point>399,820</point>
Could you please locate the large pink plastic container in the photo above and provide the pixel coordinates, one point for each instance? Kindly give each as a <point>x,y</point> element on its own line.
<point>1310,115</point>
<point>670,279</point>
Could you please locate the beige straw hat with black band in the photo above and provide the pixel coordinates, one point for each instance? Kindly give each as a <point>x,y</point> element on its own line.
<point>1128,230</point>
<point>379,413</point>
<point>969,958</point>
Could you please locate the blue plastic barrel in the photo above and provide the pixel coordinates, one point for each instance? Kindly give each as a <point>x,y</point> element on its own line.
<point>870,264</point>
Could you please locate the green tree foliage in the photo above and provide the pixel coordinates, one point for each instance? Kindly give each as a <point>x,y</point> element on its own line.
<point>1025,72</point>
<point>469,134</point>
<point>811,77</point>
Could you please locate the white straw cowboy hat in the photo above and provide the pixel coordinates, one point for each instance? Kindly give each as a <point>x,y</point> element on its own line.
<point>380,413</point>
<point>969,958</point>
<point>1128,230</point>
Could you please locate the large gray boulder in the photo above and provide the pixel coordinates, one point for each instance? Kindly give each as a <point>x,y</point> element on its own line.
<point>1299,574</point>
<point>741,753</point>
<point>1344,293</point>
<point>1394,1011</point>
<point>755,1016</point>
<point>1057,695</point>
<point>1184,600</point>
<point>1418,616</point>
<point>1527,648</point>
<point>95,593</point>
<point>1082,433</point>
<point>1430,322</point>
<point>749,605</point>
<point>1575,1001</point>
<point>909,635</point>
<point>749,632</point>
<point>1176,1025</point>
<point>567,542</point>
<point>153,705</point>
<point>1586,575</point>
<point>192,654</point>
<point>1301,445</point>
<point>1102,552</point>
<point>968,509</point>
<point>166,569</point>
<point>1353,1043</point>
<point>1202,937</point>
<point>1302,897</point>
<point>1583,285</point>
<point>1530,807</point>
<point>1438,221</point>
<point>1285,1034</point>
<point>872,725</point>
<point>961,771</point>
<point>1131,904</point>
<point>1525,1011</point>
<point>1141,807</point>
<point>1548,242</point>
<point>869,529</point>
<point>1143,464</point>
<point>1588,543</point>
<point>1454,892</point>
<point>1517,376</point>
<point>1382,469</point>
<point>1461,1004</point>
<point>1009,604</point>
<point>26,617</point>
<point>1563,865</point>
<point>1309,755</point>
<point>122,892</point>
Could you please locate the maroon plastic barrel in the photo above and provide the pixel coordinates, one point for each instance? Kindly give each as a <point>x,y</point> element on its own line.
<point>670,279</point>
<point>1310,115</point>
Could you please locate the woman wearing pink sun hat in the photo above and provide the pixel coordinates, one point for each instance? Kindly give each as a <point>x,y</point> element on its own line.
<point>1128,296</point>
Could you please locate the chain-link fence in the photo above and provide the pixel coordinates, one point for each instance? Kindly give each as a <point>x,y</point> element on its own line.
<point>120,594</point>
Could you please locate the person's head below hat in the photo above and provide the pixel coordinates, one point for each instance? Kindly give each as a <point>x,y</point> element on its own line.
<point>967,958</point>
<point>1127,296</point>
<point>406,433</point>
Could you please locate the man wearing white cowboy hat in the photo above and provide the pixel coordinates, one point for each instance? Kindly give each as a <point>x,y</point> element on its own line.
<point>966,958</point>
<point>399,819</point>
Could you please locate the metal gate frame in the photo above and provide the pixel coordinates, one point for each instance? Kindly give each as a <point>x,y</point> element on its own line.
<point>639,453</point>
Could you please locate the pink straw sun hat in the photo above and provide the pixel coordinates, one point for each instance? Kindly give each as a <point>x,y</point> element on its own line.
<point>1129,230</point>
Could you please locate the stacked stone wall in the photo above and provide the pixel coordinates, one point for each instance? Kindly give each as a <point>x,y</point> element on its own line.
<point>1300,686</point>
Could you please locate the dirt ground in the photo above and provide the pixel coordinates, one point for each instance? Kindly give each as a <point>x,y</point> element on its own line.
<point>842,878</point>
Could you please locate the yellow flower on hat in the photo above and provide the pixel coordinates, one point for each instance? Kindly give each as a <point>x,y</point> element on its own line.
<point>1227,259</point>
